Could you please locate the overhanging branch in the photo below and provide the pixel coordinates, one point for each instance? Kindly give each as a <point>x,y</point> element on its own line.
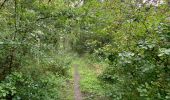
<point>3,4</point>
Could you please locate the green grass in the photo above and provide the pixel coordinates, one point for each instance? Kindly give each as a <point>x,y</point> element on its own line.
<point>68,90</point>
<point>91,87</point>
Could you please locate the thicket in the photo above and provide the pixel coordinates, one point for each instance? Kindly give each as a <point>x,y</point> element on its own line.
<point>33,64</point>
<point>134,40</point>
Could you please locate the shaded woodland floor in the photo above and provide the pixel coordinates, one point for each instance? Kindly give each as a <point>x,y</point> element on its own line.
<point>83,83</point>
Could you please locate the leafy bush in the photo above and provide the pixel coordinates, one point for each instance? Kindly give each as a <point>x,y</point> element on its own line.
<point>136,45</point>
<point>18,86</point>
<point>30,66</point>
<point>43,81</point>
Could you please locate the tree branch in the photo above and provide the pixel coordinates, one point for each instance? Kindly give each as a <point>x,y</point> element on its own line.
<point>3,4</point>
<point>49,1</point>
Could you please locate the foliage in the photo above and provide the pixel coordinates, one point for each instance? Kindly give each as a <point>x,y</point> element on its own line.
<point>32,64</point>
<point>45,80</point>
<point>130,36</point>
<point>17,86</point>
<point>136,45</point>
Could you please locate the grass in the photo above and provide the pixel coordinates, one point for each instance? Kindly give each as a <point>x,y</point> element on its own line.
<point>91,87</point>
<point>68,90</point>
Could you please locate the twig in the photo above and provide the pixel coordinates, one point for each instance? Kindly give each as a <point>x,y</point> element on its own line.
<point>3,4</point>
<point>49,1</point>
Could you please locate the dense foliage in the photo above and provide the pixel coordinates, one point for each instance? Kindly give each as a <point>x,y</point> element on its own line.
<point>32,66</point>
<point>133,38</point>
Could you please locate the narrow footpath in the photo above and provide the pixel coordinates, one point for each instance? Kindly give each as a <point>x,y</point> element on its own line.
<point>77,92</point>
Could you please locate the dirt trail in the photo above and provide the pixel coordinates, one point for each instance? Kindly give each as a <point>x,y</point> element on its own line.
<point>77,92</point>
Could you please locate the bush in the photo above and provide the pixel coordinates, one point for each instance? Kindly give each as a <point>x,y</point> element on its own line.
<point>135,41</point>
<point>37,81</point>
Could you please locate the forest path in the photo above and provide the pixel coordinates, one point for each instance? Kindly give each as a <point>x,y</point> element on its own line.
<point>77,92</point>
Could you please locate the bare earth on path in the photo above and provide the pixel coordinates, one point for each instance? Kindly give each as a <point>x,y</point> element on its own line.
<point>77,92</point>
